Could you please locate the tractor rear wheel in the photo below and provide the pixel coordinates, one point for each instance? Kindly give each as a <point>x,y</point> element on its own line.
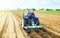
<point>37,23</point>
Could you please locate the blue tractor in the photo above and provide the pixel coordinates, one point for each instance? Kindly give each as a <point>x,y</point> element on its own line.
<point>32,23</point>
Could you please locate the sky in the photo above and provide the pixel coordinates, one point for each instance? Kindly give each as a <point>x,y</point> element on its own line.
<point>23,4</point>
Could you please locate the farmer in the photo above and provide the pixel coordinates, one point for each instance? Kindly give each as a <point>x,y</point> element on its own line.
<point>31,14</point>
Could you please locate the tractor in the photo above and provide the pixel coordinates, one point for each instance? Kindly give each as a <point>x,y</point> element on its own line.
<point>30,23</point>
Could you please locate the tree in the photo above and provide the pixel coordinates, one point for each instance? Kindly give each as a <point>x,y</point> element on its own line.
<point>57,9</point>
<point>33,9</point>
<point>49,9</point>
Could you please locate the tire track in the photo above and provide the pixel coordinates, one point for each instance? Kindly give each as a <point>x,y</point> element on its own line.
<point>18,29</point>
<point>10,29</point>
<point>14,26</point>
<point>5,27</point>
<point>2,24</point>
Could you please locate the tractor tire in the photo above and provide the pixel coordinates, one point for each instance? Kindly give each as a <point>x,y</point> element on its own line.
<point>37,23</point>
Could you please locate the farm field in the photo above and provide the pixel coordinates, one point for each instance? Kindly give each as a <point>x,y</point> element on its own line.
<point>50,21</point>
<point>10,25</point>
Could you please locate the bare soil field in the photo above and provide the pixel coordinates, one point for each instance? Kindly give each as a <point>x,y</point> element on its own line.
<point>10,26</point>
<point>50,21</point>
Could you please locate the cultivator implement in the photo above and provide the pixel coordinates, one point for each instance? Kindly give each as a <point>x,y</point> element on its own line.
<point>33,26</point>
